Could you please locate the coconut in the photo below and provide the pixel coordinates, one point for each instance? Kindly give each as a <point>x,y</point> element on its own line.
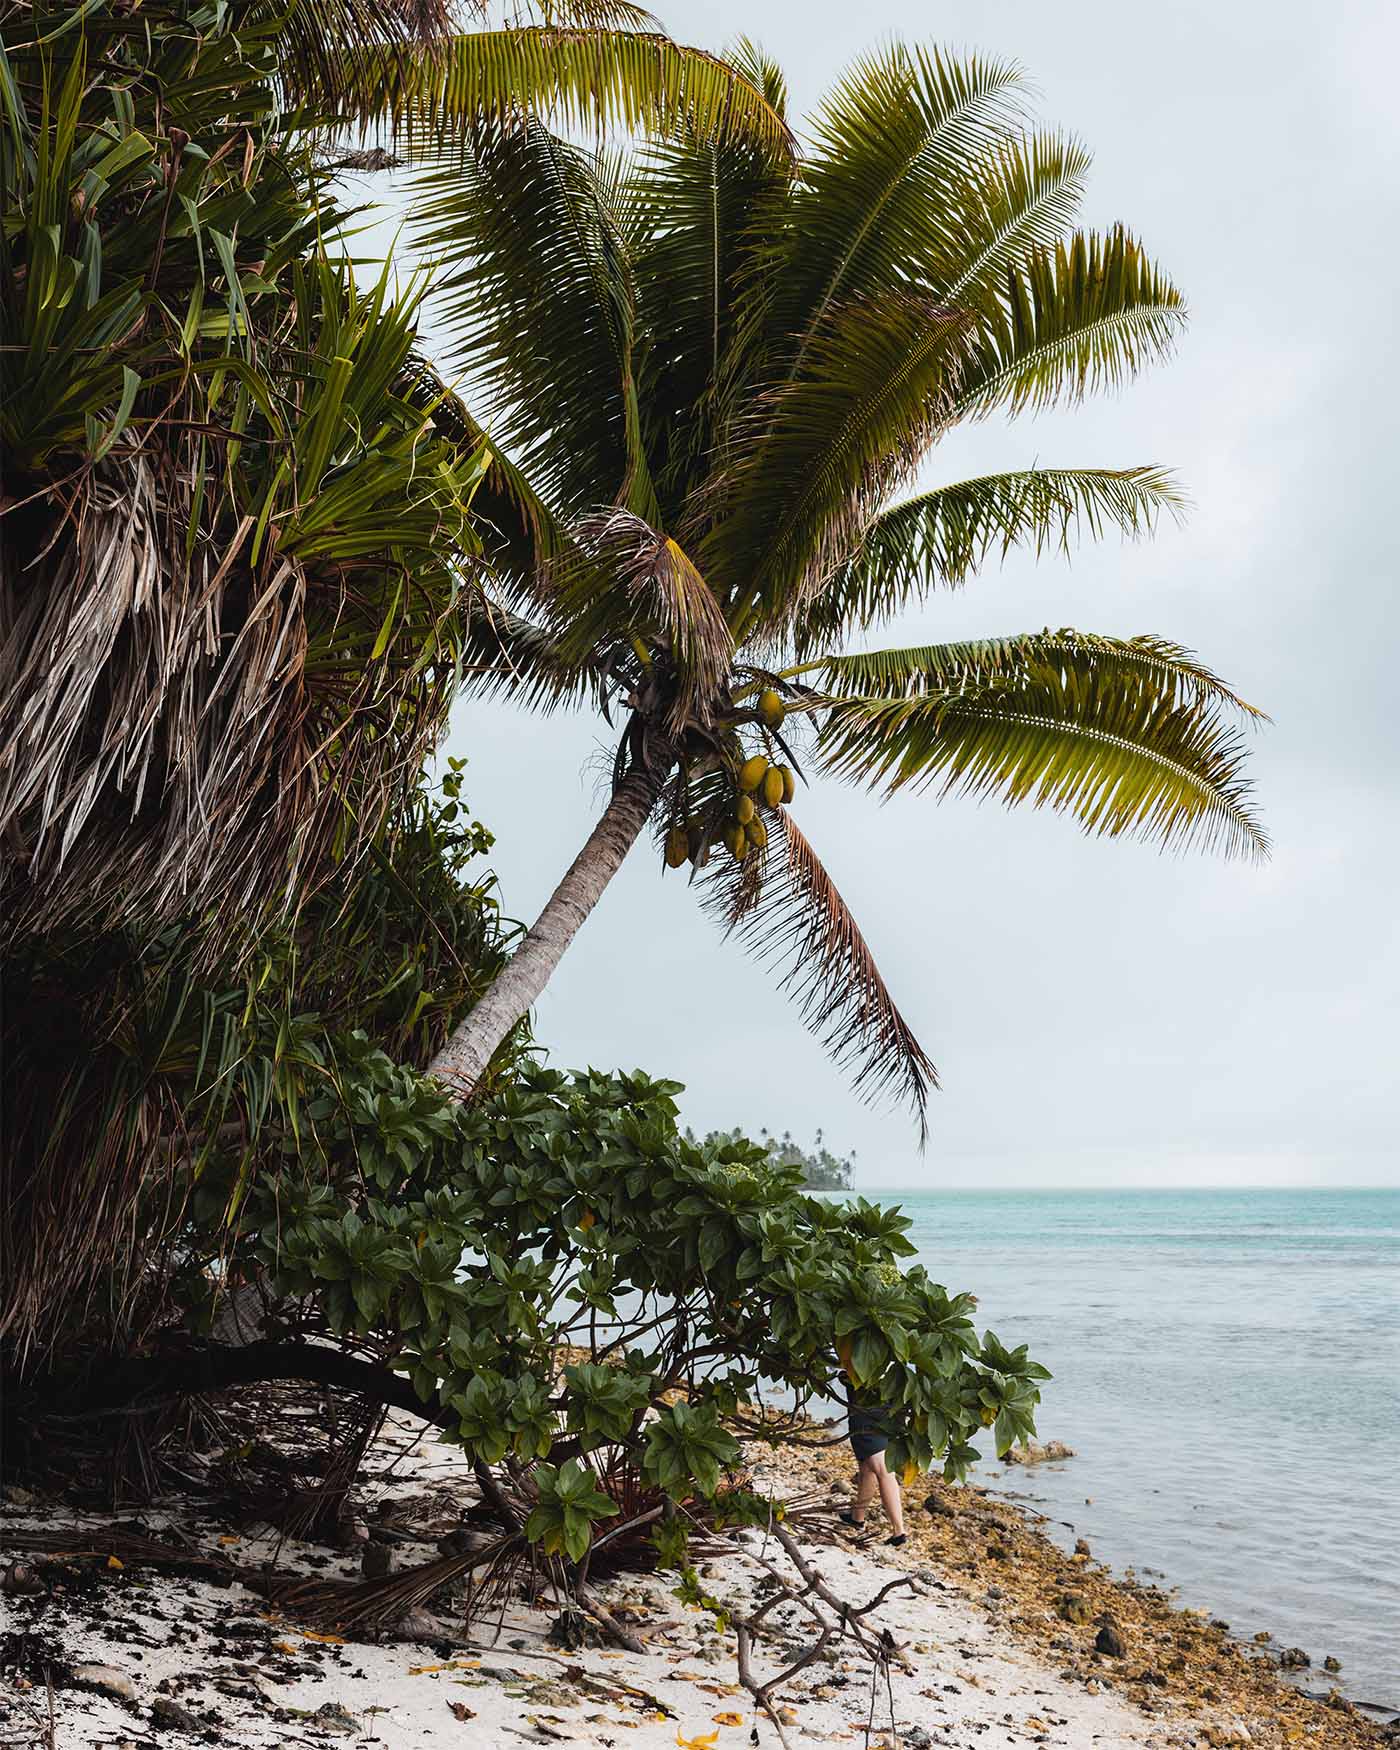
<point>751,772</point>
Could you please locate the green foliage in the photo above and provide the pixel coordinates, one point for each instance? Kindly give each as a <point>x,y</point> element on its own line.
<point>248,1061</point>
<point>239,541</point>
<point>570,1505</point>
<point>244,535</point>
<point>589,1300</point>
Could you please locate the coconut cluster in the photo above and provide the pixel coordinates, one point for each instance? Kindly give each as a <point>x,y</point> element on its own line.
<point>759,786</point>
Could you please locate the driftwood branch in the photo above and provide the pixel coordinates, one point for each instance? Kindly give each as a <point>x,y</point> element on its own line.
<point>846,1621</point>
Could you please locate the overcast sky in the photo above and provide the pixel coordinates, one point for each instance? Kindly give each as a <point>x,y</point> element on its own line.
<point>1102,1014</point>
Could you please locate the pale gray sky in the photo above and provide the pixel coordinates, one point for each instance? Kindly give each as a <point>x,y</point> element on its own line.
<point>1102,1014</point>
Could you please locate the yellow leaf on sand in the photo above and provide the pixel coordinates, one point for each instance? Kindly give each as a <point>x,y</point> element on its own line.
<point>728,1719</point>
<point>283,1647</point>
<point>112,1562</point>
<point>229,1537</point>
<point>704,1742</point>
<point>310,1634</point>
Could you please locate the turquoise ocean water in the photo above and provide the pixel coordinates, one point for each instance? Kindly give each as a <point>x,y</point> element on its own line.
<point>1228,1370</point>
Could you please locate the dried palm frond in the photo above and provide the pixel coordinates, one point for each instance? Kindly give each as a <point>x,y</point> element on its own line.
<point>793,917</point>
<point>656,594</point>
<point>378,1606</point>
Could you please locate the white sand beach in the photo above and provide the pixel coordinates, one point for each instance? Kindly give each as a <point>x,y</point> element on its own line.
<point>147,1657</point>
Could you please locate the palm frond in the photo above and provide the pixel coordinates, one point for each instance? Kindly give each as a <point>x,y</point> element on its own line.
<point>941,537</point>
<point>891,183</point>
<point>792,917</point>
<point>654,594</point>
<point>521,538</point>
<point>607,78</point>
<point>540,294</point>
<point>970,664</point>
<point>1130,735</point>
<point>503,654</point>
<point>695,243</point>
<point>1088,314</point>
<point>878,385</point>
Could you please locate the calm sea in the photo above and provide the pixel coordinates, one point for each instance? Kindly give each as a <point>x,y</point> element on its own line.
<point>1227,1368</point>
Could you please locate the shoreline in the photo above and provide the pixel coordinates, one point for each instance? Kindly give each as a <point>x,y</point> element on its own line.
<point>998,1626</point>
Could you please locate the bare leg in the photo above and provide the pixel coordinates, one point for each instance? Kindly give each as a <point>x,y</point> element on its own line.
<point>888,1485</point>
<point>866,1486</point>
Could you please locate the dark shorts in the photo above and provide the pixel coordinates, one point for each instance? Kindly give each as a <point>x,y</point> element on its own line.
<point>868,1433</point>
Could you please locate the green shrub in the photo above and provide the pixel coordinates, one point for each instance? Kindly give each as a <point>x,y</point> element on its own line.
<point>592,1302</point>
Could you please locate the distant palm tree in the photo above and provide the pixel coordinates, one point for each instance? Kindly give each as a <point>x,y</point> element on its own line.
<point>711,370</point>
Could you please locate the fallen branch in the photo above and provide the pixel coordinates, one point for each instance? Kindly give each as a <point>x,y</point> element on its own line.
<point>847,1621</point>
<point>591,1603</point>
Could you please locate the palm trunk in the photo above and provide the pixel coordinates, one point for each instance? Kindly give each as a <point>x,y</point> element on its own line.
<point>463,1059</point>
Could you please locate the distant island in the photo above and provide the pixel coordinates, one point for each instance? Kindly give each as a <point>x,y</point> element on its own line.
<point>821,1169</point>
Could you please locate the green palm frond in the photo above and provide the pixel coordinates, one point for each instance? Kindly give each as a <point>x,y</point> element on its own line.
<point>791,916</point>
<point>878,384</point>
<point>604,78</point>
<point>1086,315</point>
<point>523,543</point>
<point>1130,736</point>
<point>543,306</point>
<point>891,184</point>
<point>695,248</point>
<point>968,665</point>
<point>941,537</point>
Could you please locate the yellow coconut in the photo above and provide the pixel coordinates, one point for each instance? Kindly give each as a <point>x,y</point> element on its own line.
<point>744,810</point>
<point>758,833</point>
<point>789,783</point>
<point>737,841</point>
<point>773,786</point>
<point>677,847</point>
<point>770,708</point>
<point>751,772</point>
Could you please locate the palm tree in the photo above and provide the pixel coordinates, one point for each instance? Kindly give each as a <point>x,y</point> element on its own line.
<point>708,372</point>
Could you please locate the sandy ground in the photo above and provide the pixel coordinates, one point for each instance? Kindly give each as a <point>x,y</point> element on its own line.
<point>183,1661</point>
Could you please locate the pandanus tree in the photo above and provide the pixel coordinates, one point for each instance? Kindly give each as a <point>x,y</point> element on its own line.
<point>708,372</point>
<point>236,530</point>
<point>234,535</point>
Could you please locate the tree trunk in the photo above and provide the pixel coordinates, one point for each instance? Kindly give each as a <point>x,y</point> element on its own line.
<point>140,1380</point>
<point>463,1059</point>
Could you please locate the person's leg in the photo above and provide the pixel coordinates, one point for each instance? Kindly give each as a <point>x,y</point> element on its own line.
<point>865,1491</point>
<point>890,1498</point>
